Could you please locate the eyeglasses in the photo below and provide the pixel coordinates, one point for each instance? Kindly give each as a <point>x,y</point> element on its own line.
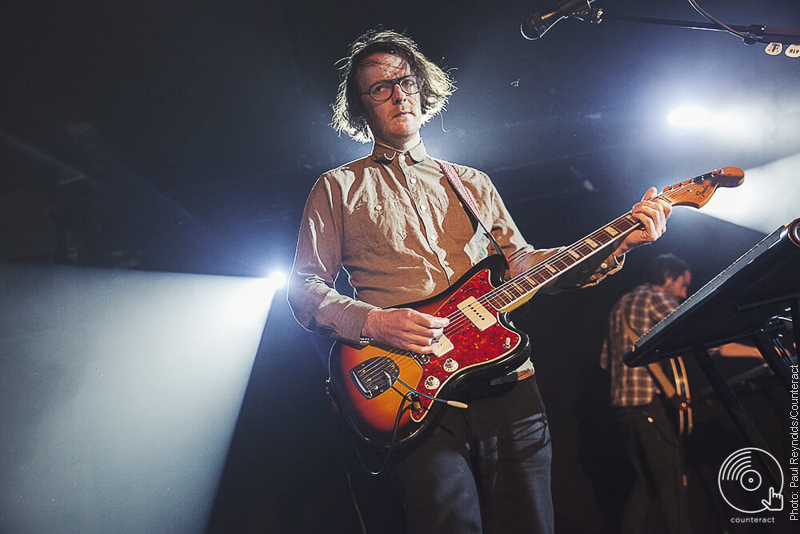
<point>383,90</point>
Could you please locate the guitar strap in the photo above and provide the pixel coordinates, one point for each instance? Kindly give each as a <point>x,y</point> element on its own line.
<point>654,369</point>
<point>669,389</point>
<point>468,200</point>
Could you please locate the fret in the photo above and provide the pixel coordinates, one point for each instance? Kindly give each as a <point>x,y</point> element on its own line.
<point>621,224</point>
<point>539,277</point>
<point>601,238</point>
<point>591,242</point>
<point>513,282</point>
<point>560,262</point>
<point>574,253</point>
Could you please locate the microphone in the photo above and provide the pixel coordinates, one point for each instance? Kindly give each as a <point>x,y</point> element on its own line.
<point>536,24</point>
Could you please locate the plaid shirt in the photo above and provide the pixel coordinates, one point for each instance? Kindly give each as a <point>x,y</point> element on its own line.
<point>641,309</point>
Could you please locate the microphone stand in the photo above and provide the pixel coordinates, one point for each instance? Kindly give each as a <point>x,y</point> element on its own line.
<point>750,34</point>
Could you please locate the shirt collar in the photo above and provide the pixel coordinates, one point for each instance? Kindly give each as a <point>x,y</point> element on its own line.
<point>386,154</point>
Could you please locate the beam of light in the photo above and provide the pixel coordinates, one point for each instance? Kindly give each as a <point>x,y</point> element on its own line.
<point>689,117</point>
<point>768,198</point>
<point>251,302</point>
<point>731,124</point>
<point>121,391</point>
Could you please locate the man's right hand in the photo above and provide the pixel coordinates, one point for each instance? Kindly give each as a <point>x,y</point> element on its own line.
<point>405,328</point>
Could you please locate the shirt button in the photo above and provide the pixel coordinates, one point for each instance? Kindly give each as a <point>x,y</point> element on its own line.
<point>378,207</point>
<point>422,208</point>
<point>412,181</point>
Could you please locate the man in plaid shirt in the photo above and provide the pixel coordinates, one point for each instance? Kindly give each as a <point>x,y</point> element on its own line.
<point>651,441</point>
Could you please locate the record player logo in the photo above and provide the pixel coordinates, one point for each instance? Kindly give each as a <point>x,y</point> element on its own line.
<point>751,481</point>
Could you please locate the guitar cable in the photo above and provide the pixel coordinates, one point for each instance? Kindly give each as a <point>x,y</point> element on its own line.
<point>350,486</point>
<point>454,404</point>
<point>408,401</point>
<point>357,452</point>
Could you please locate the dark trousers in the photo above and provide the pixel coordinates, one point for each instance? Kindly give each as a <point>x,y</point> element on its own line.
<point>656,454</point>
<point>485,469</point>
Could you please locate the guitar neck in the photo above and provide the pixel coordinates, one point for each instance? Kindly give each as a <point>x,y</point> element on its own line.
<point>519,289</point>
<point>694,192</point>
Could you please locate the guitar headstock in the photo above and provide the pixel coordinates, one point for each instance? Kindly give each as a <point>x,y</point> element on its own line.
<point>699,190</point>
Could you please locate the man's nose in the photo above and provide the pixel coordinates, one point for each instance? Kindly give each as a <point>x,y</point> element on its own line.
<point>398,95</point>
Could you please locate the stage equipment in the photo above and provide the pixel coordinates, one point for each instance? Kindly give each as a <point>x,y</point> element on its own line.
<point>749,301</point>
<point>538,23</point>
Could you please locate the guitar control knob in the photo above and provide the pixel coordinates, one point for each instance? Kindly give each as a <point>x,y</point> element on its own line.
<point>432,382</point>
<point>450,365</point>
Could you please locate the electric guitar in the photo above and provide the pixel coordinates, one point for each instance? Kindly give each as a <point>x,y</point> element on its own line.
<point>676,395</point>
<point>675,392</point>
<point>393,397</point>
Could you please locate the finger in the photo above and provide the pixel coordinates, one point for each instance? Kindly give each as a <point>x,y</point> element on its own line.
<point>649,225</point>
<point>656,207</point>
<point>431,321</point>
<point>652,215</point>
<point>650,193</point>
<point>420,344</point>
<point>428,348</point>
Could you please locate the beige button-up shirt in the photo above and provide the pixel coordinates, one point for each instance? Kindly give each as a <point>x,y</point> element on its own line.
<point>394,223</point>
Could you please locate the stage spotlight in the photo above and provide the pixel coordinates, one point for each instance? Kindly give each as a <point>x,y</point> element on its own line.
<point>689,117</point>
<point>277,279</point>
<point>751,124</point>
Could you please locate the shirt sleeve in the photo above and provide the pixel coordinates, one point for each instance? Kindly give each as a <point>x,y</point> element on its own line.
<point>314,301</point>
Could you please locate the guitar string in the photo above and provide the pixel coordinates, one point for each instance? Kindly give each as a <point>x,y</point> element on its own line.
<point>561,256</point>
<point>459,318</point>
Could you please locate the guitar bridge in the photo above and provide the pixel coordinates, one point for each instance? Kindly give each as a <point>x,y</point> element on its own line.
<point>374,376</point>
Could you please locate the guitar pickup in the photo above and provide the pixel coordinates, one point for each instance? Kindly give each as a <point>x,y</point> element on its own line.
<point>445,346</point>
<point>477,313</point>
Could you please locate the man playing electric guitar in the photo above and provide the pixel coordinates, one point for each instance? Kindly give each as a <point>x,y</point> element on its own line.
<point>406,227</point>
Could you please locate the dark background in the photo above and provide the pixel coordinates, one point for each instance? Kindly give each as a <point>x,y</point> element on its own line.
<point>184,136</point>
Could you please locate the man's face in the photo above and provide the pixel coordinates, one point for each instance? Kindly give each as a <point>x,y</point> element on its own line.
<point>678,287</point>
<point>396,121</point>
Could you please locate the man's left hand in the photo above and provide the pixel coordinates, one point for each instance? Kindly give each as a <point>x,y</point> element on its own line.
<point>653,215</point>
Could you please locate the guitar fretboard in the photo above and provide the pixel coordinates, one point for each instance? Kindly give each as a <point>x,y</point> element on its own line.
<point>518,288</point>
<point>516,291</point>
